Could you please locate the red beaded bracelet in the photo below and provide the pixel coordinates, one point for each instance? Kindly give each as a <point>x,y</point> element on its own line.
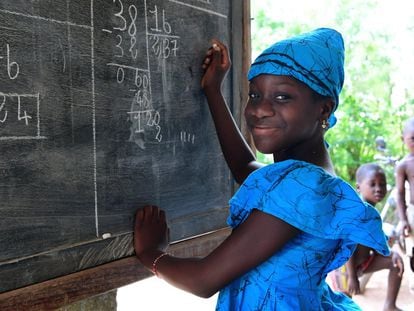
<point>154,263</point>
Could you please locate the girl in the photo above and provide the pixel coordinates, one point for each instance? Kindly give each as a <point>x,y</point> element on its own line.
<point>293,221</point>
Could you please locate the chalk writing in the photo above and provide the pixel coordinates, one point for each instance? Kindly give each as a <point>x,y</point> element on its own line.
<point>19,116</point>
<point>164,47</point>
<point>12,67</point>
<point>144,118</point>
<point>164,44</point>
<point>100,110</point>
<point>18,111</point>
<point>187,137</point>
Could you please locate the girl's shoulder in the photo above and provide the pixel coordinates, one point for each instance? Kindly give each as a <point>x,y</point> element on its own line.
<point>312,200</point>
<point>294,186</point>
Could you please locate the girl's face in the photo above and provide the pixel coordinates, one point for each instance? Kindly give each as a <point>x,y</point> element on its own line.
<point>282,114</point>
<point>373,187</point>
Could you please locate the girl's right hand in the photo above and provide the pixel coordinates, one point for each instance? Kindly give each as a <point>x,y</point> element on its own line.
<point>216,65</point>
<point>150,231</point>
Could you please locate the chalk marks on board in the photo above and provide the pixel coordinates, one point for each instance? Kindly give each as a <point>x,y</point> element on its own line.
<point>19,113</point>
<point>100,111</point>
<point>163,42</point>
<point>186,137</point>
<point>158,37</point>
<point>151,26</point>
<point>142,114</point>
<point>195,7</point>
<point>13,67</point>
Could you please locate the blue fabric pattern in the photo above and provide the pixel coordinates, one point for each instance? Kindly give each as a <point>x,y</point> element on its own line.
<point>315,58</point>
<point>332,218</point>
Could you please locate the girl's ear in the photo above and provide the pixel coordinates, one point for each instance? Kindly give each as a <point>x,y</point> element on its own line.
<point>327,107</point>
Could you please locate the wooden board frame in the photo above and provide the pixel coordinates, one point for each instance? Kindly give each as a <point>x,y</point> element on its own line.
<point>55,293</point>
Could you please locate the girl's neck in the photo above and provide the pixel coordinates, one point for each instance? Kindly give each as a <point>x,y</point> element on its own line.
<point>318,156</point>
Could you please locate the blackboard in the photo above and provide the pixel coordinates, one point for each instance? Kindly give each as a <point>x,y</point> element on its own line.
<point>101,112</point>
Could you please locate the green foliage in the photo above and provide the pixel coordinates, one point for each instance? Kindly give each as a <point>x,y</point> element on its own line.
<point>264,158</point>
<point>367,108</point>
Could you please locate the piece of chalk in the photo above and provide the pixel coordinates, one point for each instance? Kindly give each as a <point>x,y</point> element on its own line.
<point>106,235</point>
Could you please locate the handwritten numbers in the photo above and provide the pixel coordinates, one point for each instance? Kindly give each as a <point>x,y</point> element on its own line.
<point>166,27</point>
<point>141,80</point>
<point>120,75</point>
<point>149,119</point>
<point>123,21</point>
<point>119,47</point>
<point>3,109</point>
<point>163,43</point>
<point>154,121</point>
<point>22,115</point>
<point>132,29</point>
<point>126,17</point>
<point>132,49</point>
<point>12,67</point>
<point>141,100</point>
<point>127,24</point>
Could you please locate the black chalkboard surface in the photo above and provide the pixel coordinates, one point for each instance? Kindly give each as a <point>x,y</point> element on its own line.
<point>101,112</point>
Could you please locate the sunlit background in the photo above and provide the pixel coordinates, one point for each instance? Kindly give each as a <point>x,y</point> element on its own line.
<point>378,93</point>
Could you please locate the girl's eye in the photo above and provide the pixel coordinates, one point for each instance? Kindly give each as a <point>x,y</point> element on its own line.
<point>281,97</point>
<point>253,95</point>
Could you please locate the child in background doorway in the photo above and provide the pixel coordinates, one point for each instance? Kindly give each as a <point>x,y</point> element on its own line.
<point>371,183</point>
<point>404,175</point>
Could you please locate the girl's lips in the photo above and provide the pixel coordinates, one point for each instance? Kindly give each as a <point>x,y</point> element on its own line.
<point>263,129</point>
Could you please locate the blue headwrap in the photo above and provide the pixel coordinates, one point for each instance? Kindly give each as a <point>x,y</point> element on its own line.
<point>315,58</point>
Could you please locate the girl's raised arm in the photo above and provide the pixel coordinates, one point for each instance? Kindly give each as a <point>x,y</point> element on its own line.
<point>238,154</point>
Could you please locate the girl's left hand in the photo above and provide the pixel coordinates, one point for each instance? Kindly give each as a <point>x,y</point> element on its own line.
<point>150,231</point>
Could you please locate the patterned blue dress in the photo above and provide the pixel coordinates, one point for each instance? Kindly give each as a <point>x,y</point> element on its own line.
<point>332,218</point>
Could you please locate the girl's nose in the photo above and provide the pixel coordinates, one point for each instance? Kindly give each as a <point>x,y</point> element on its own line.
<point>260,108</point>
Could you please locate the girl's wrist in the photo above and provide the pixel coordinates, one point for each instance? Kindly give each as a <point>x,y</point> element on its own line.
<point>154,266</point>
<point>147,258</point>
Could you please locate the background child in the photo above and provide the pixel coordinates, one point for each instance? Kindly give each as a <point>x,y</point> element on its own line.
<point>371,183</point>
<point>293,221</point>
<point>404,175</point>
